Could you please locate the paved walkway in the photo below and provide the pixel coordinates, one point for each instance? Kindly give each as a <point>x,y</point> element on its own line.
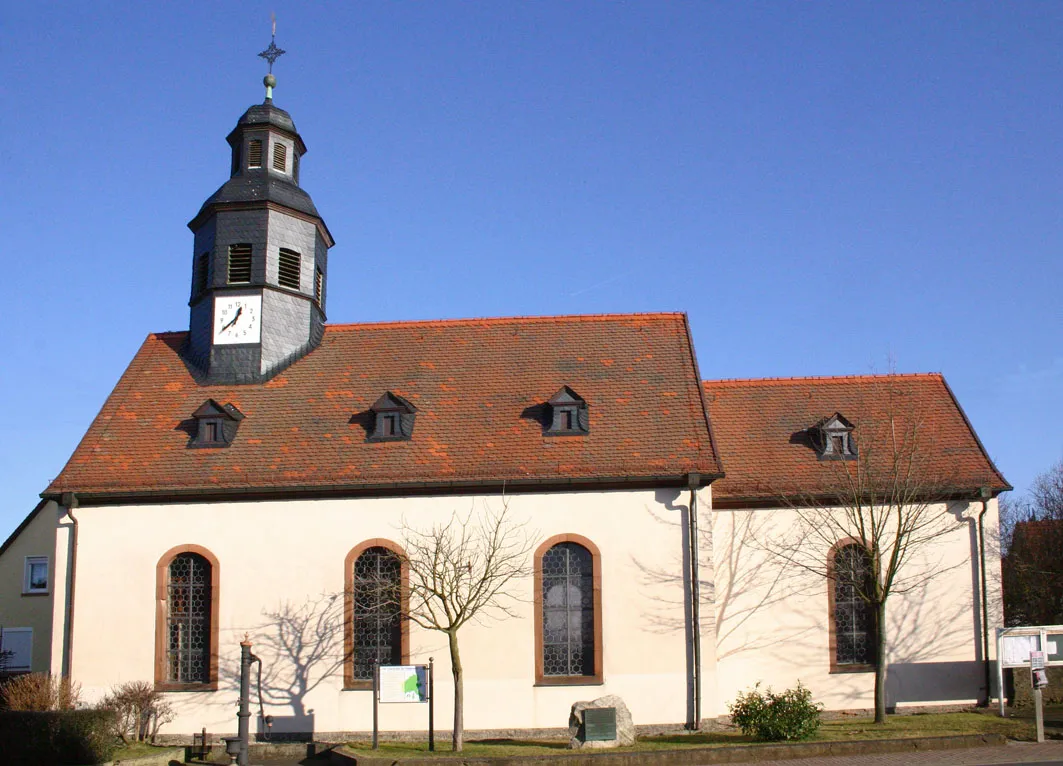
<point>1012,752</point>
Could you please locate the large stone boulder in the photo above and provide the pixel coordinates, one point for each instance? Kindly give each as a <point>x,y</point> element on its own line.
<point>625,727</point>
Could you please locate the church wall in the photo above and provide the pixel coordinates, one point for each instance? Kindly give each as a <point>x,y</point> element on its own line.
<point>24,610</point>
<point>285,326</point>
<point>294,234</point>
<point>290,554</point>
<point>773,618</point>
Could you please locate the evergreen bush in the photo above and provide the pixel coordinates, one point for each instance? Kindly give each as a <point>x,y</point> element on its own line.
<point>789,715</point>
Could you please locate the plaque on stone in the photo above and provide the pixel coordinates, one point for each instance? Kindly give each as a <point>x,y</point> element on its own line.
<point>599,724</point>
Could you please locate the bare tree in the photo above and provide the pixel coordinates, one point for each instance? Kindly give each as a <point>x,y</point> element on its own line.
<point>1032,565</point>
<point>464,570</point>
<point>882,488</point>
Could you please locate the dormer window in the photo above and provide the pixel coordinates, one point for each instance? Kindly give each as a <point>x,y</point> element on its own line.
<point>216,424</point>
<point>835,438</point>
<point>568,414</point>
<point>393,418</point>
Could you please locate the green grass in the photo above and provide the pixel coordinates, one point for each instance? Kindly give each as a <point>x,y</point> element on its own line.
<point>896,727</point>
<point>136,750</point>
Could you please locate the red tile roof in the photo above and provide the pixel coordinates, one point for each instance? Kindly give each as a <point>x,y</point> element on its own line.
<point>470,381</point>
<point>758,426</point>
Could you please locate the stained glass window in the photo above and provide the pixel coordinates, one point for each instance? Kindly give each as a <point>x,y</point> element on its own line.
<point>377,611</point>
<point>854,619</point>
<point>188,609</point>
<point>568,611</point>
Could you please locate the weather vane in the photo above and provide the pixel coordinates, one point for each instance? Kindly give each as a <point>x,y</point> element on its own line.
<point>271,54</point>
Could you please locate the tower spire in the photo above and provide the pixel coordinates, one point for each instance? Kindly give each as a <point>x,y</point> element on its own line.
<point>271,54</point>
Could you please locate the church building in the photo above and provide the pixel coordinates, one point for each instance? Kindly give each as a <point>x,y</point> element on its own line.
<point>253,475</point>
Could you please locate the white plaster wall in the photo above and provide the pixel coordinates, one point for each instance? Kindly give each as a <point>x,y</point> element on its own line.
<point>773,618</point>
<point>272,553</point>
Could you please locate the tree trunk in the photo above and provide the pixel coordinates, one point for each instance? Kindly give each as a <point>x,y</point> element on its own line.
<point>459,693</point>
<point>881,666</point>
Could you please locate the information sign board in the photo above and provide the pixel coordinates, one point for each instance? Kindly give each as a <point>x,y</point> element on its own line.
<point>403,683</point>
<point>1037,660</point>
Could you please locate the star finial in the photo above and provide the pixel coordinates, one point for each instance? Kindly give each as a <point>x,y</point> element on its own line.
<point>271,54</point>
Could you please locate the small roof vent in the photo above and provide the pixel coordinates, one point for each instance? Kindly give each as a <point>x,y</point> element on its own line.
<point>393,418</point>
<point>216,424</point>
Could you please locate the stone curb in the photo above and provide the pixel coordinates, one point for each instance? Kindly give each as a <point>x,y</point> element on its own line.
<point>164,757</point>
<point>692,756</point>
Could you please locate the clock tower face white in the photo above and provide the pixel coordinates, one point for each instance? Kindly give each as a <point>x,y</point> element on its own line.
<point>237,319</point>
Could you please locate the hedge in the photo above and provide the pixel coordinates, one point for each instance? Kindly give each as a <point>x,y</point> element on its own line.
<point>57,737</point>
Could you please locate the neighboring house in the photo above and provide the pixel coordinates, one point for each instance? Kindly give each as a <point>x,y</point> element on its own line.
<point>251,476</point>
<point>27,571</point>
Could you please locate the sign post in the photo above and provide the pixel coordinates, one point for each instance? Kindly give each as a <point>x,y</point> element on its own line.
<point>404,683</point>
<point>1037,668</point>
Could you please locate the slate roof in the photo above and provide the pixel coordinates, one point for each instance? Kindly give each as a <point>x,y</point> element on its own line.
<point>478,386</point>
<point>260,187</point>
<point>761,429</point>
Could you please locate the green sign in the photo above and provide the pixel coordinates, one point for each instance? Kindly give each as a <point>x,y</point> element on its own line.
<point>599,724</point>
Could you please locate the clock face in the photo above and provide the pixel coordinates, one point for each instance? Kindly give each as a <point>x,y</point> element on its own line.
<point>237,319</point>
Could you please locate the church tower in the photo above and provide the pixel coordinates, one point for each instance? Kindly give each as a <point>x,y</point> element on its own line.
<point>260,258</point>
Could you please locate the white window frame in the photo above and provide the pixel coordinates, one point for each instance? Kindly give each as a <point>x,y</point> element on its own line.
<point>27,585</point>
<point>29,660</point>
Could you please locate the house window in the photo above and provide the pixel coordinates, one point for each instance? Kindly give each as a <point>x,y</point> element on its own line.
<point>210,432</point>
<point>319,285</point>
<point>36,575</point>
<point>389,424</point>
<point>202,274</point>
<point>288,268</point>
<point>254,154</point>
<point>853,634</point>
<point>568,612</point>
<point>375,633</point>
<point>280,157</point>
<point>16,650</point>
<point>239,264</point>
<point>187,619</point>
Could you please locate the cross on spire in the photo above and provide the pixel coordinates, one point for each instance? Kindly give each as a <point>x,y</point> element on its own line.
<point>271,54</point>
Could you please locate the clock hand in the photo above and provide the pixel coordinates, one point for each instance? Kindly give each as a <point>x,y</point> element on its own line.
<point>232,321</point>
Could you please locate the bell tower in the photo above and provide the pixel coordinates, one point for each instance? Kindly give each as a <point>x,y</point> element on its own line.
<point>260,259</point>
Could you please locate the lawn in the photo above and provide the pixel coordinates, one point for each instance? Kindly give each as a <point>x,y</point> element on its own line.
<point>903,726</point>
<point>136,750</point>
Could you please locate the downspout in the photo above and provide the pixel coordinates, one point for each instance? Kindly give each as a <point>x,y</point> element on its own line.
<point>695,597</point>
<point>70,502</point>
<point>984,493</point>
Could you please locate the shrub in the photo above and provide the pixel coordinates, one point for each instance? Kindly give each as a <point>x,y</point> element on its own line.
<point>41,692</point>
<point>139,711</point>
<point>36,738</point>
<point>774,717</point>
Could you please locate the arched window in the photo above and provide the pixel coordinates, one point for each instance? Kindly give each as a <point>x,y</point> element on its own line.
<point>568,611</point>
<point>853,633</point>
<point>376,592</point>
<point>186,619</point>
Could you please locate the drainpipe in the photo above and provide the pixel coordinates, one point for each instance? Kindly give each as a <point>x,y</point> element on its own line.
<point>70,502</point>
<point>695,596</point>
<point>985,493</point>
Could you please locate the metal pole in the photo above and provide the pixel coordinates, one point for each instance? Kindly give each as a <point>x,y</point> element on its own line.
<point>431,704</point>
<point>1039,713</point>
<point>245,695</point>
<point>1000,669</point>
<point>376,686</point>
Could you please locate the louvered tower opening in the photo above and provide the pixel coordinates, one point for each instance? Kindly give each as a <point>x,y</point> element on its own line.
<point>254,154</point>
<point>319,285</point>
<point>239,264</point>
<point>202,273</point>
<point>280,157</point>
<point>289,268</point>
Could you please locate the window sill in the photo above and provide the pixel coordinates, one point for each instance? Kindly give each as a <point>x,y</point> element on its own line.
<point>838,669</point>
<point>167,687</point>
<point>569,681</point>
<point>32,593</point>
<point>358,686</point>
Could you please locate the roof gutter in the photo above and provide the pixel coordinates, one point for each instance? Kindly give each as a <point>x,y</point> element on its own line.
<point>984,494</point>
<point>693,482</point>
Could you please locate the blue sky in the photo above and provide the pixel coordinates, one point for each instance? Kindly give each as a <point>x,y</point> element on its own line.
<point>821,186</point>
